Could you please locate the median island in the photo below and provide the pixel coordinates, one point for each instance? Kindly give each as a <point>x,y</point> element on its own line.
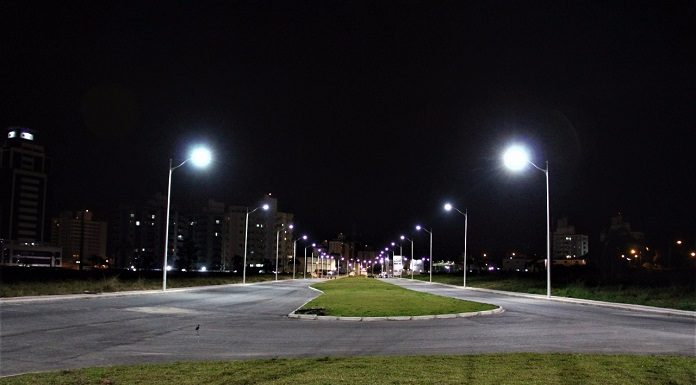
<point>367,297</point>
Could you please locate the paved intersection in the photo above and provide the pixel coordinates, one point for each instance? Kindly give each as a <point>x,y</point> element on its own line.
<point>249,321</point>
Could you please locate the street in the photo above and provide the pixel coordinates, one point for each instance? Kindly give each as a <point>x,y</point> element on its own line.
<point>249,321</point>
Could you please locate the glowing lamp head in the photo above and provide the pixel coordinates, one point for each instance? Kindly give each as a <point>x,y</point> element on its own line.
<point>402,237</point>
<point>265,207</point>
<point>201,157</point>
<point>291,227</point>
<point>448,207</point>
<point>418,228</point>
<point>516,158</point>
<point>304,237</point>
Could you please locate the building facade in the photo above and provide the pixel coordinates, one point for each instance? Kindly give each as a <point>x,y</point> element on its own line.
<point>23,190</point>
<point>81,238</point>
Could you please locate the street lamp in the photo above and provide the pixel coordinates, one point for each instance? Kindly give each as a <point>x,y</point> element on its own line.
<point>516,158</point>
<point>200,157</point>
<point>304,274</point>
<point>265,207</point>
<point>294,255</point>
<point>449,207</point>
<point>406,238</point>
<point>278,249</point>
<point>419,228</point>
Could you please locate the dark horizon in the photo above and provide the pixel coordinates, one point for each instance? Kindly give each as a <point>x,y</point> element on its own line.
<point>365,118</point>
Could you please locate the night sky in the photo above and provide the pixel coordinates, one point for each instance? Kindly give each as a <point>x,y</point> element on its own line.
<point>364,117</point>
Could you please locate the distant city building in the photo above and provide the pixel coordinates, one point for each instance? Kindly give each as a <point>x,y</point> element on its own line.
<point>136,234</point>
<point>82,239</point>
<point>569,248</point>
<point>23,190</point>
<point>23,172</point>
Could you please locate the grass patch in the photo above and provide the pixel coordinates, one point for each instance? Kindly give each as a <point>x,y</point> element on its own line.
<point>672,297</point>
<point>367,297</point>
<point>512,369</point>
<point>115,284</point>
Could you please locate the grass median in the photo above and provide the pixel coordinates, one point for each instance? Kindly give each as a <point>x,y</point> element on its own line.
<point>512,369</point>
<point>367,297</point>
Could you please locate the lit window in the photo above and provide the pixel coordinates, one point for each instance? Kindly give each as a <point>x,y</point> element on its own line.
<point>217,221</point>
<point>153,216</point>
<point>137,223</point>
<point>132,215</point>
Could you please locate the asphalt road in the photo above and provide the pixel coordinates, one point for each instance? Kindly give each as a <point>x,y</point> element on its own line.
<point>244,322</point>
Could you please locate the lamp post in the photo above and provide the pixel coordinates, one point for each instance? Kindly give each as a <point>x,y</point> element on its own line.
<point>449,207</point>
<point>200,157</point>
<point>406,238</point>
<point>246,238</point>
<point>516,158</point>
<point>419,228</point>
<point>294,255</point>
<point>304,276</point>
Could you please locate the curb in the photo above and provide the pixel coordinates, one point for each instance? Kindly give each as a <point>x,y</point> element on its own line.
<point>395,318</point>
<point>580,301</point>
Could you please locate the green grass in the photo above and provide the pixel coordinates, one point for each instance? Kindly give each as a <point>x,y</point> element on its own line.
<point>367,297</point>
<point>115,284</point>
<point>511,369</point>
<point>672,297</point>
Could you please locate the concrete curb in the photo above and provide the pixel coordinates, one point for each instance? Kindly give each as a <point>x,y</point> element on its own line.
<point>579,301</point>
<point>395,318</point>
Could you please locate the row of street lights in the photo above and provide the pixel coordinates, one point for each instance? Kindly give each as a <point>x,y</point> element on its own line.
<point>515,158</point>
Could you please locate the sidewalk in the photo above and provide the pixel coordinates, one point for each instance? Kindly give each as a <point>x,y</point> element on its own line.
<point>588,302</point>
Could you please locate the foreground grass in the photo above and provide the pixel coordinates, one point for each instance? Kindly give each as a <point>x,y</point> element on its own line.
<point>513,369</point>
<point>114,284</point>
<point>673,297</point>
<point>367,297</point>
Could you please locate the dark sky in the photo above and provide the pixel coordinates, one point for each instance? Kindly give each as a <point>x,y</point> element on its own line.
<point>364,117</point>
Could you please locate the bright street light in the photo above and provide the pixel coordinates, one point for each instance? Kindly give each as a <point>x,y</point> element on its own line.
<point>265,207</point>
<point>200,157</point>
<point>411,240</point>
<point>516,158</point>
<point>419,228</point>
<point>294,255</point>
<point>449,207</point>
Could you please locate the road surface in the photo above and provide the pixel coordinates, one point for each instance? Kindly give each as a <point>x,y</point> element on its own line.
<point>249,321</point>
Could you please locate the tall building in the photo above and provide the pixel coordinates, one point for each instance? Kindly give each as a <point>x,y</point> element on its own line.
<point>82,239</point>
<point>23,167</point>
<point>23,187</point>
<point>569,248</point>
<point>136,234</point>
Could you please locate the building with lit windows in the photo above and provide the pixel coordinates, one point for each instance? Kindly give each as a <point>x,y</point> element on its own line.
<point>569,248</point>
<point>23,188</point>
<point>82,239</point>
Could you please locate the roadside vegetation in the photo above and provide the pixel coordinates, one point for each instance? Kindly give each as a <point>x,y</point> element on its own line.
<point>673,296</point>
<point>511,369</point>
<point>367,297</point>
<point>23,282</point>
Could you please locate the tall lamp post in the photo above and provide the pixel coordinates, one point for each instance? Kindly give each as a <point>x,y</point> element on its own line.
<point>294,255</point>
<point>278,250</point>
<point>516,158</point>
<point>304,274</point>
<point>200,157</point>
<point>246,238</point>
<point>449,207</point>
<point>419,228</point>
<point>406,238</point>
